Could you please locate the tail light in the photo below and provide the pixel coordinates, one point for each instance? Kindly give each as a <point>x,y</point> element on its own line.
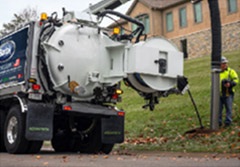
<point>36,87</point>
<point>115,96</point>
<point>67,108</point>
<point>117,93</point>
<point>121,113</point>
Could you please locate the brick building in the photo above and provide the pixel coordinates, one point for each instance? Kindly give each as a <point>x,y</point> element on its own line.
<point>187,24</point>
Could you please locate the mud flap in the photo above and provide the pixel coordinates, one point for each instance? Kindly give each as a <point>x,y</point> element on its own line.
<point>39,125</point>
<point>112,129</point>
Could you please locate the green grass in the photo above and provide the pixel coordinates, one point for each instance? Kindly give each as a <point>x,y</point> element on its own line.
<point>164,128</point>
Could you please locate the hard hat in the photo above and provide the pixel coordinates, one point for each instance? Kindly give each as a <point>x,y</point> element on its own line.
<point>224,59</point>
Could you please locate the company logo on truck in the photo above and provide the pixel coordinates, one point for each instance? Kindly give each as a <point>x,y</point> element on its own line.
<point>7,50</point>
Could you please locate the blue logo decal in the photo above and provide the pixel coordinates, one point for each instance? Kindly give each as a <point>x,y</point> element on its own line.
<point>7,50</point>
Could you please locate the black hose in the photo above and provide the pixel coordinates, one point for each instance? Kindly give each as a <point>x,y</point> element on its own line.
<point>41,59</point>
<point>196,109</point>
<point>125,17</point>
<point>216,33</point>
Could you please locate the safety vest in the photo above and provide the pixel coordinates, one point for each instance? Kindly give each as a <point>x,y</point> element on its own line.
<point>228,75</point>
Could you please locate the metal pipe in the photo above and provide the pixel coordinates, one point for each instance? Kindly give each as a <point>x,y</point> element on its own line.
<point>106,4</point>
<point>215,62</point>
<point>215,99</point>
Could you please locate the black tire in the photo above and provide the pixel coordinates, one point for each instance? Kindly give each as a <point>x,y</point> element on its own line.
<point>62,137</point>
<point>15,123</point>
<point>2,121</point>
<point>34,147</point>
<point>91,142</point>
<point>107,148</point>
<point>62,142</point>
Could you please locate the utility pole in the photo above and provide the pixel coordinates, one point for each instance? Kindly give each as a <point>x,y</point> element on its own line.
<point>215,62</point>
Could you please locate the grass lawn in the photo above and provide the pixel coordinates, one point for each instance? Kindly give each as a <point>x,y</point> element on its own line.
<point>164,128</point>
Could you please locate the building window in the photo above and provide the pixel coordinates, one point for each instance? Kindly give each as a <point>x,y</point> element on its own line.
<point>169,21</point>
<point>197,12</point>
<point>183,17</point>
<point>232,6</point>
<point>122,31</point>
<point>144,19</point>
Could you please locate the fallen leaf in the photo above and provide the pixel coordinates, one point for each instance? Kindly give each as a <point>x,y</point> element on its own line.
<point>233,146</point>
<point>142,157</point>
<point>237,148</point>
<point>214,156</point>
<point>105,157</point>
<point>45,163</point>
<point>196,159</point>
<point>163,139</point>
<point>233,132</point>
<point>65,159</point>
<point>234,155</point>
<point>94,156</point>
<point>38,157</point>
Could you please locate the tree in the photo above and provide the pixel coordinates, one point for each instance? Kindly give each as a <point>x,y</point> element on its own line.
<point>19,20</point>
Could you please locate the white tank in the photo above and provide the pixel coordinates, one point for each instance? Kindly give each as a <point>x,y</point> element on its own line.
<point>90,59</point>
<point>81,54</point>
<point>154,65</point>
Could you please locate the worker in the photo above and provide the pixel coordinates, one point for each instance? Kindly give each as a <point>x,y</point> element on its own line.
<point>228,80</point>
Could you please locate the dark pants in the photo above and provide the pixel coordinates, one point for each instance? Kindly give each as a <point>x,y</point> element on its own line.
<point>227,103</point>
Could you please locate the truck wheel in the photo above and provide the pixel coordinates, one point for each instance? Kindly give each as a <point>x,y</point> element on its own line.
<point>2,121</point>
<point>107,148</point>
<point>14,132</point>
<point>62,142</point>
<point>91,141</point>
<point>34,147</point>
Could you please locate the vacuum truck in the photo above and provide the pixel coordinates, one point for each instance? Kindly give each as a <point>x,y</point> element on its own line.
<point>60,80</point>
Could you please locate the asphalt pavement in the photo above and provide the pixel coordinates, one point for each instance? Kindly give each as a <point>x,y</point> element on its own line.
<point>48,158</point>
